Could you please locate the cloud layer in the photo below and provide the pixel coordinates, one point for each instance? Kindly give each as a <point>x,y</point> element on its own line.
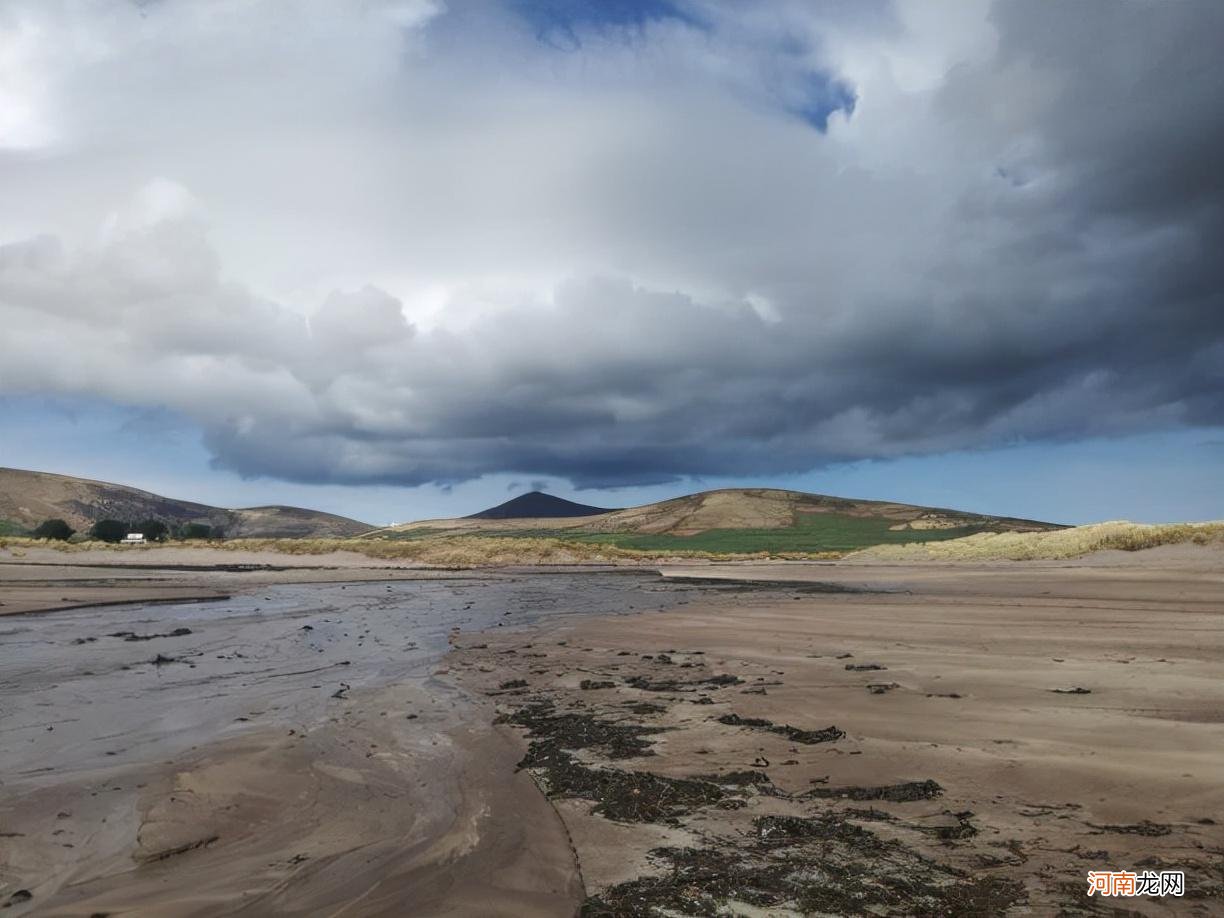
<point>399,243</point>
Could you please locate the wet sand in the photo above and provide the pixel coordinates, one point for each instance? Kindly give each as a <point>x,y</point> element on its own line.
<point>297,749</point>
<point>1070,715</point>
<point>47,579</point>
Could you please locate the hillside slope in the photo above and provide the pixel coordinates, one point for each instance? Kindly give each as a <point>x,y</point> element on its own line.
<point>743,520</point>
<point>771,508</point>
<point>27,498</point>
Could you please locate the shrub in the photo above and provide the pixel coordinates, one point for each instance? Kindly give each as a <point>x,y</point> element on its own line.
<point>53,529</point>
<point>108,530</point>
<point>153,530</point>
<point>195,531</point>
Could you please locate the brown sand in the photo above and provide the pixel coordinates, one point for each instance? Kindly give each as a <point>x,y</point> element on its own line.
<point>1127,775</point>
<point>350,814</point>
<point>346,818</point>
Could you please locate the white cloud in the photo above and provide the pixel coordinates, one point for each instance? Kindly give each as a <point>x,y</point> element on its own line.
<point>390,241</point>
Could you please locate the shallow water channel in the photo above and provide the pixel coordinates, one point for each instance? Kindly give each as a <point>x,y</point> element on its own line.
<point>113,684</point>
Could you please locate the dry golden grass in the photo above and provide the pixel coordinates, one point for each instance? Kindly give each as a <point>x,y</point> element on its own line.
<point>1052,546</point>
<point>446,551</point>
<point>492,551</point>
<point>451,551</point>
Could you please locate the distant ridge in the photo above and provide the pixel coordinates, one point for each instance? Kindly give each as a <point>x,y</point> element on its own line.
<point>537,505</point>
<point>27,498</point>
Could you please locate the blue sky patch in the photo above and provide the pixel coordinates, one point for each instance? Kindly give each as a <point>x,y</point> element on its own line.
<point>558,23</point>
<point>823,95</point>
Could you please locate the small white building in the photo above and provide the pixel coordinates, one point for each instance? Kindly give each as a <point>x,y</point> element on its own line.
<point>133,538</point>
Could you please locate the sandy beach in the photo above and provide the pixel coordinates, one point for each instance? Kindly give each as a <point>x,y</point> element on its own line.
<point>841,738</point>
<point>969,739</point>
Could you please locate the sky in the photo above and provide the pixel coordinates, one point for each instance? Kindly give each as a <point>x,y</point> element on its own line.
<point>401,259</point>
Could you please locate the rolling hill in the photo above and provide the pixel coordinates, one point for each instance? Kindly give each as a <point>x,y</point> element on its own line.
<point>739,520</point>
<point>28,498</point>
<point>537,505</point>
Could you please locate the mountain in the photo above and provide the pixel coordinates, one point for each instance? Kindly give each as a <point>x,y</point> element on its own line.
<point>28,498</point>
<point>733,520</point>
<point>772,508</point>
<point>537,505</point>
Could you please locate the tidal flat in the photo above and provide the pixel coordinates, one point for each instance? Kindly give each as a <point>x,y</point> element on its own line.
<point>765,739</point>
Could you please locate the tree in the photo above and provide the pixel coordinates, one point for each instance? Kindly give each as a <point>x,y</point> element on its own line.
<point>153,530</point>
<point>54,529</point>
<point>108,530</point>
<point>195,531</point>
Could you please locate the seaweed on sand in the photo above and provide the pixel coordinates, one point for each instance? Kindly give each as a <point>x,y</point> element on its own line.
<point>832,869</point>
<point>632,796</point>
<point>677,685</point>
<point>739,778</point>
<point>623,795</point>
<point>790,830</point>
<point>794,734</point>
<point>1144,828</point>
<point>905,792</point>
<point>963,828</point>
<point>552,732</point>
<point>645,707</point>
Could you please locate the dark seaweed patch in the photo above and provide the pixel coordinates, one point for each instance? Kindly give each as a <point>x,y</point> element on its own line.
<point>551,733</point>
<point>794,734</point>
<point>790,830</point>
<point>905,792</point>
<point>822,873</point>
<point>627,796</point>
<point>133,636</point>
<point>1145,828</point>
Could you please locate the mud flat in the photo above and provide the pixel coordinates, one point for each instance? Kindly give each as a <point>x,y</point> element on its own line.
<point>933,739</point>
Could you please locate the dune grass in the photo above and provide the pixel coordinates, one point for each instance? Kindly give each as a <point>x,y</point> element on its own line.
<point>464,551</point>
<point>1055,545</point>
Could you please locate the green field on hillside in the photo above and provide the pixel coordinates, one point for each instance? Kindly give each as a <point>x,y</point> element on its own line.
<point>10,528</point>
<point>814,532</point>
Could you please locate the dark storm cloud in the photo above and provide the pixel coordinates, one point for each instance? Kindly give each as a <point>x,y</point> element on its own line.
<point>635,261</point>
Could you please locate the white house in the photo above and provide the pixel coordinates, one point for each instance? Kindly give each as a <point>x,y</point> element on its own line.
<point>133,538</point>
